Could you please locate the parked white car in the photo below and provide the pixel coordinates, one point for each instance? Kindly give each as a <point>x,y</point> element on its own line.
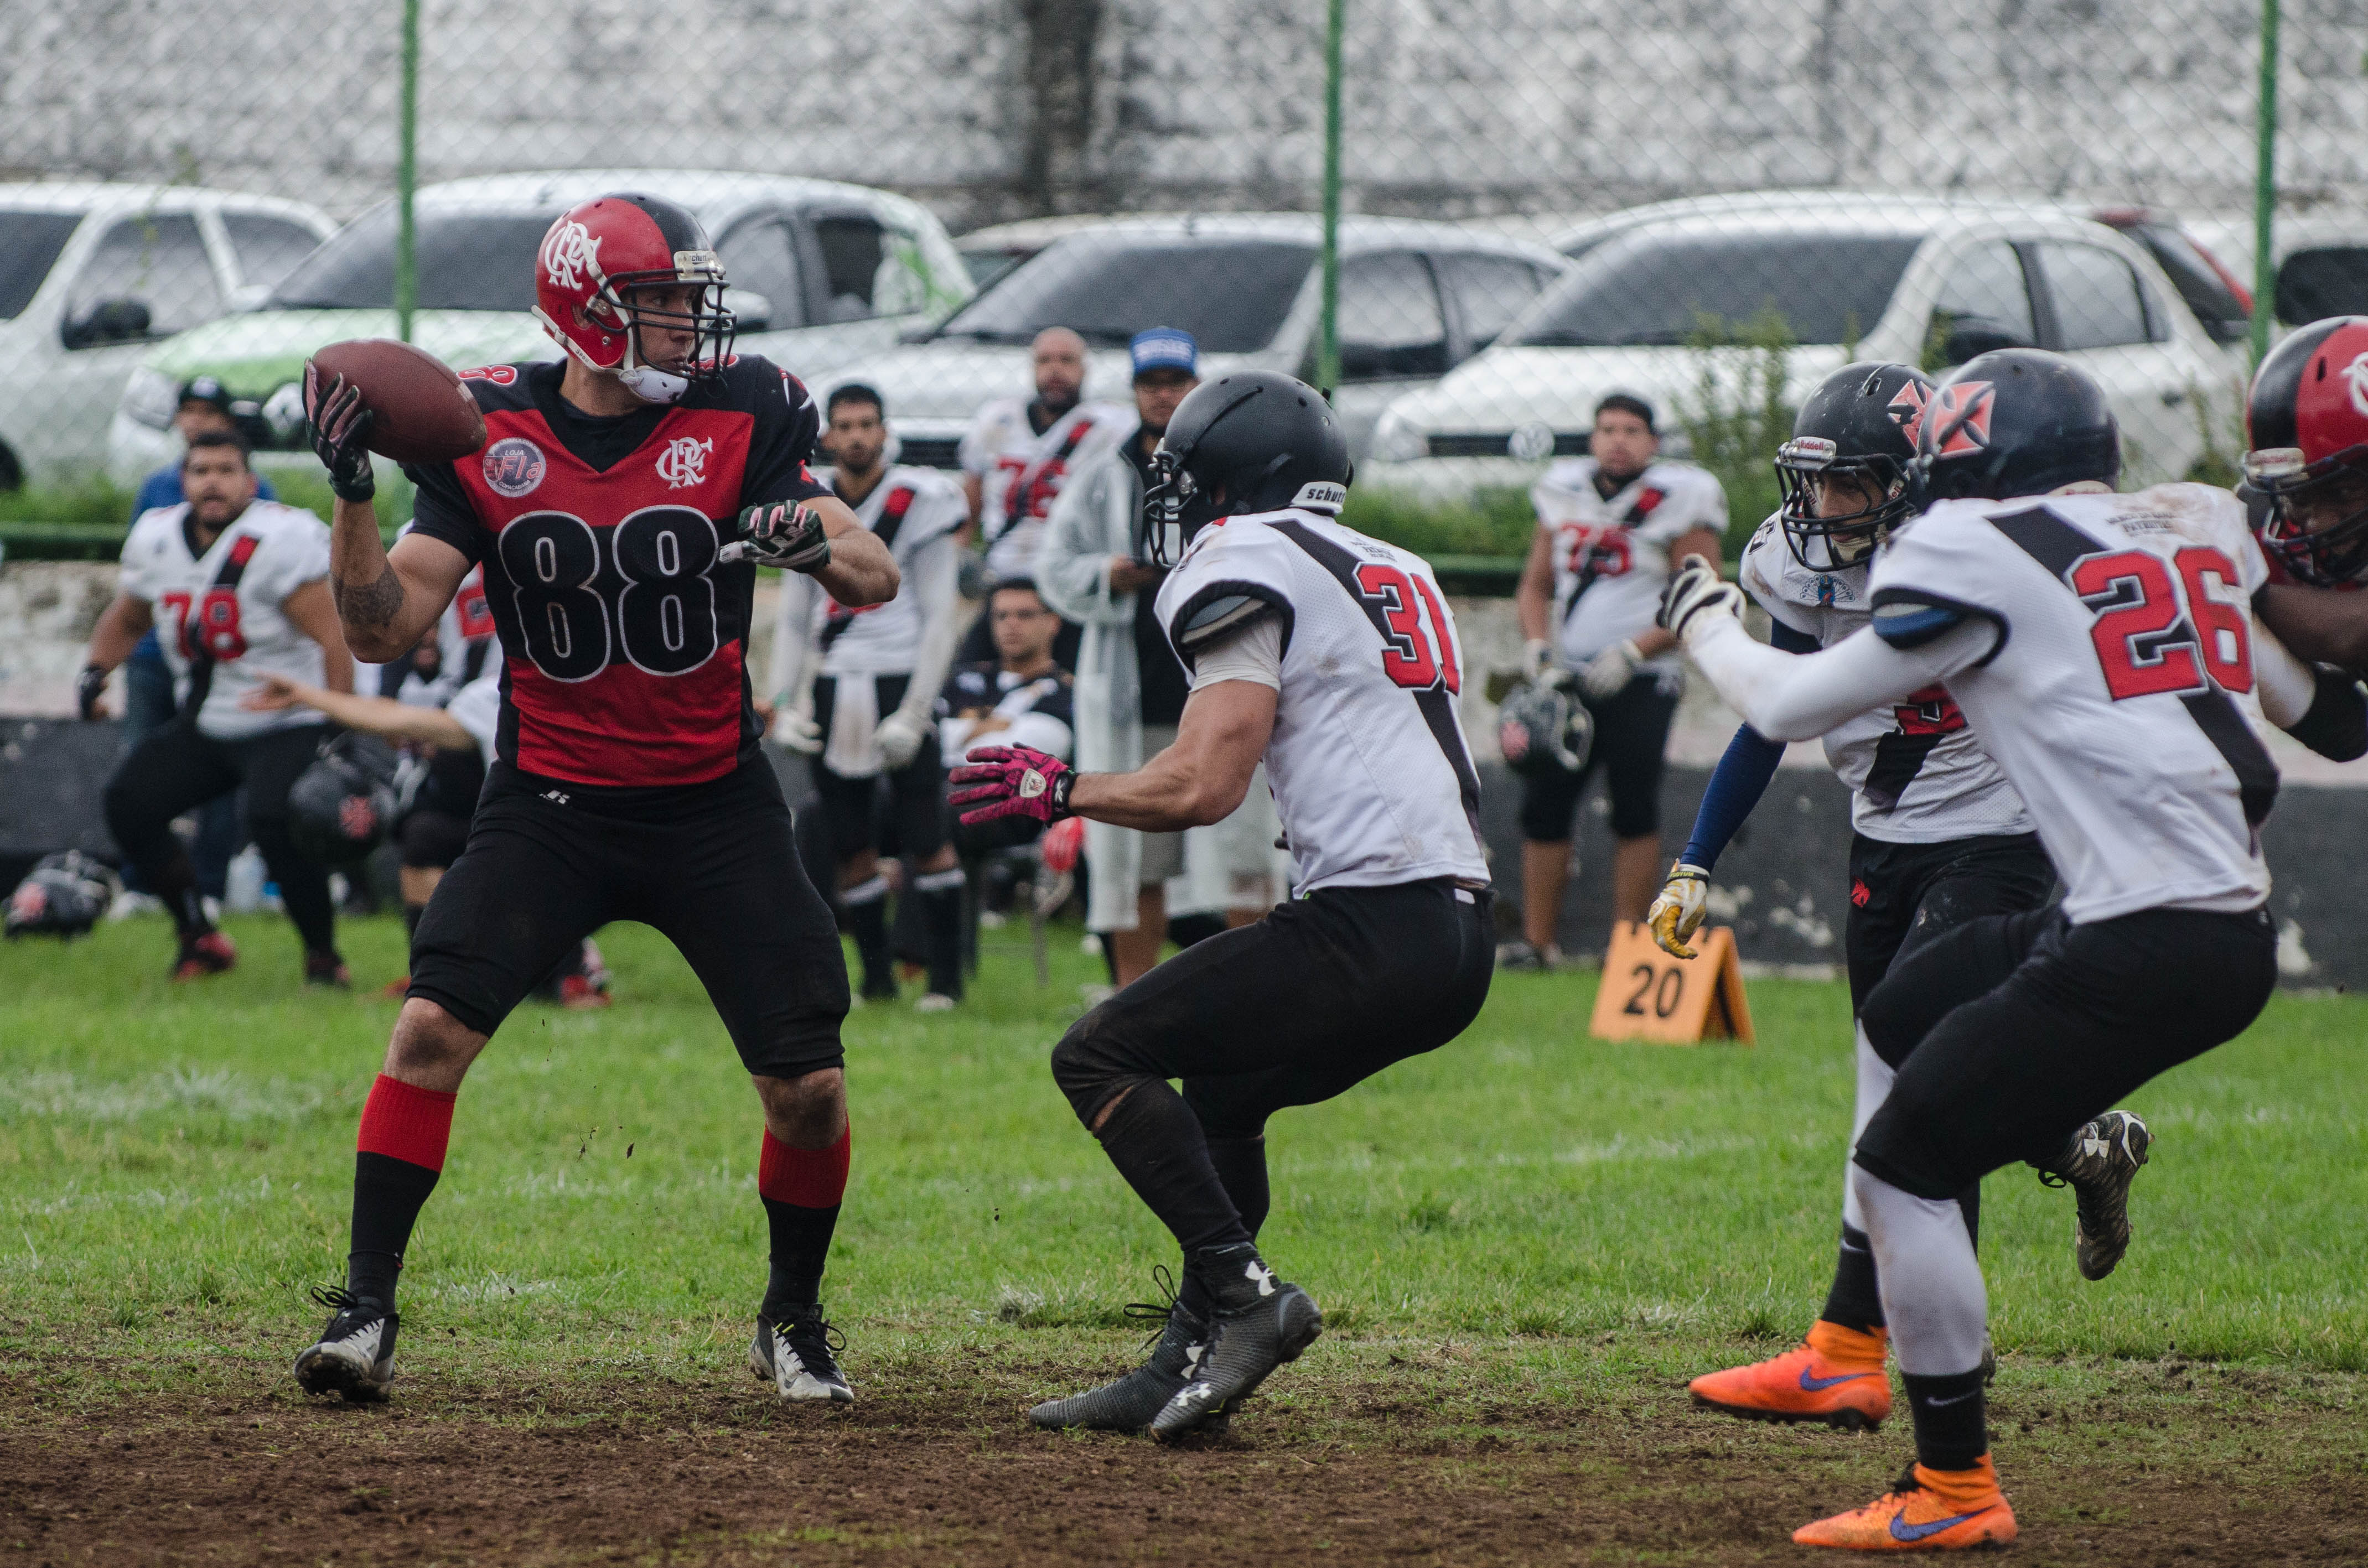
<point>821,272</point>
<point>91,275</point>
<point>1415,299</point>
<point>1849,275</point>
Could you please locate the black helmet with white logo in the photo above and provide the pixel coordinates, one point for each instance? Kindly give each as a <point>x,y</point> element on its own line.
<point>1258,440</point>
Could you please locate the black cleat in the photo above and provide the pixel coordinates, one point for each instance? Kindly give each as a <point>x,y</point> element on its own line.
<point>1129,1403</point>
<point>1251,1334</point>
<point>796,1355</point>
<point>355,1355</point>
<point>2097,1164</point>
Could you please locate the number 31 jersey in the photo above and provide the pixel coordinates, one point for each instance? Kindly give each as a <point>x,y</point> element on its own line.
<point>1368,764</point>
<point>624,638</point>
<point>2119,692</point>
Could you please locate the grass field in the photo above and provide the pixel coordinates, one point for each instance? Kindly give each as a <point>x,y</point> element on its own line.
<point>1524,1244</point>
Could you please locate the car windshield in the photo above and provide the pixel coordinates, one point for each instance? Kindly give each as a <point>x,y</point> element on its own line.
<point>468,261</point>
<point>30,242</point>
<point>1646,288</point>
<point>1230,295</point>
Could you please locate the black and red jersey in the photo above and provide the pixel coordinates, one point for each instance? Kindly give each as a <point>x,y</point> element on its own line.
<point>624,637</point>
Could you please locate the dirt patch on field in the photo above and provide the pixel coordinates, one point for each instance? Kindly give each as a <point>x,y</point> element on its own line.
<point>711,1471</point>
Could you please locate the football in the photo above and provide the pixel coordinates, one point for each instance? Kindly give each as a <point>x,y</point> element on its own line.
<point>423,414</point>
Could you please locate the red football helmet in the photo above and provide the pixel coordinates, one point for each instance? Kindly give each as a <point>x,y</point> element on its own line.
<point>2307,424</point>
<point>595,254</point>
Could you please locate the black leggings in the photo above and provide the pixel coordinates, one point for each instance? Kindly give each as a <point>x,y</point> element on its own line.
<point>176,768</point>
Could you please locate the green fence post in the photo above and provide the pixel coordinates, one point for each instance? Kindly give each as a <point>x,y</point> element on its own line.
<point>407,178</point>
<point>1327,354</point>
<point>2265,185</point>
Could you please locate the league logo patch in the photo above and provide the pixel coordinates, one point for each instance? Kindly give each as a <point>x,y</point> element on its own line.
<point>569,253</point>
<point>1827,589</point>
<point>500,375</point>
<point>2355,376</point>
<point>1906,410</point>
<point>514,467</point>
<point>1962,412</point>
<point>684,462</point>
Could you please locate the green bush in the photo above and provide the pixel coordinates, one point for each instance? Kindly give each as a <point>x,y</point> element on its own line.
<point>1738,414</point>
<point>1498,520</point>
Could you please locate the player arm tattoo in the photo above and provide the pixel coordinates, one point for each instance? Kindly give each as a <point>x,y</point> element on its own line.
<point>387,600</point>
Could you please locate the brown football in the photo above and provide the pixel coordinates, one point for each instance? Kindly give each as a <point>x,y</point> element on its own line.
<point>423,414</point>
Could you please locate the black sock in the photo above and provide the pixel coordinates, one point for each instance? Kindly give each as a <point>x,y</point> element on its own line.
<point>388,1193</point>
<point>1855,1303</point>
<point>801,1242</point>
<point>1240,1163</point>
<point>1950,1431</point>
<point>1157,1145</point>
<point>867,922</point>
<point>175,882</point>
<point>1969,1204</point>
<point>941,917</point>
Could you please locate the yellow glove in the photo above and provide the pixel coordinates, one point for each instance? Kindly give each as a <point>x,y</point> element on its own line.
<point>1676,914</point>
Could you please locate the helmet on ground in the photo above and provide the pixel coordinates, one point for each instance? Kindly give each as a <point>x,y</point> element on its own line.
<point>1544,729</point>
<point>2017,422</point>
<point>2306,423</point>
<point>64,895</point>
<point>1857,432</point>
<point>593,257</point>
<point>343,805</point>
<point>1250,441</point>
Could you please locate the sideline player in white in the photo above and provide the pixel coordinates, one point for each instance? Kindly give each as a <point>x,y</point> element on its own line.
<point>1940,838</point>
<point>1331,656</point>
<point>857,691</point>
<point>1020,451</point>
<point>244,588</point>
<point>2102,648</point>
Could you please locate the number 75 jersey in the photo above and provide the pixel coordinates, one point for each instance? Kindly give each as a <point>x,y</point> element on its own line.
<point>1370,771</point>
<point>2118,691</point>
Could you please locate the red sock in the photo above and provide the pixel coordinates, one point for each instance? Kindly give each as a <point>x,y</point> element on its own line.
<point>809,1179</point>
<point>407,1124</point>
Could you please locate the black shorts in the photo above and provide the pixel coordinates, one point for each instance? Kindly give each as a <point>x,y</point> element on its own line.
<point>430,840</point>
<point>2011,1030</point>
<point>900,812</point>
<point>1903,896</point>
<point>1323,992</point>
<point>1631,735</point>
<point>717,874</point>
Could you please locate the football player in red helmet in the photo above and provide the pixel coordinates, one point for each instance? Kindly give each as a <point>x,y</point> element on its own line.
<point>619,508</point>
<point>2307,474</point>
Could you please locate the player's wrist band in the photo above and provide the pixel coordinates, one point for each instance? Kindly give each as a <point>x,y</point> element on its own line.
<point>1061,788</point>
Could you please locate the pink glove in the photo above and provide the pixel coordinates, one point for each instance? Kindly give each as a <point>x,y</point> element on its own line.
<point>1013,781</point>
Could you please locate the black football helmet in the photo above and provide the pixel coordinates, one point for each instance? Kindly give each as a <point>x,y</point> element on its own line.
<point>1861,424</point>
<point>64,896</point>
<point>1261,439</point>
<point>1544,730</point>
<point>343,805</point>
<point>2017,422</point>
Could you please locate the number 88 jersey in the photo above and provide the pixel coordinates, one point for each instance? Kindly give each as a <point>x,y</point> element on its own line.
<point>1370,771</point>
<point>623,634</point>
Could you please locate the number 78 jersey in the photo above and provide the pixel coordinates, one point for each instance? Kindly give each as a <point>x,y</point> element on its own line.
<point>2119,693</point>
<point>1370,771</point>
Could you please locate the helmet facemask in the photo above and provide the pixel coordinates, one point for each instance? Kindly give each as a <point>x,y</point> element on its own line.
<point>1806,468</point>
<point>2327,556</point>
<point>712,327</point>
<point>1174,508</point>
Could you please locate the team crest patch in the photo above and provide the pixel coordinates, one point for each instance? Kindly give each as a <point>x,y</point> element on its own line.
<point>2355,376</point>
<point>569,253</point>
<point>1826,591</point>
<point>357,819</point>
<point>514,467</point>
<point>684,462</point>
<point>1906,409</point>
<point>1962,412</point>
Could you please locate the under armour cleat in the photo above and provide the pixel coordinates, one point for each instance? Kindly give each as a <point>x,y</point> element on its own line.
<point>2097,1164</point>
<point>1130,1403</point>
<point>355,1355</point>
<point>1926,1510</point>
<point>1249,1336</point>
<point>797,1355</point>
<point>1837,1378</point>
<point>200,956</point>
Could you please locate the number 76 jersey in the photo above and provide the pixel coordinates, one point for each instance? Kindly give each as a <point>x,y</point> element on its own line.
<point>2118,690</point>
<point>1370,771</point>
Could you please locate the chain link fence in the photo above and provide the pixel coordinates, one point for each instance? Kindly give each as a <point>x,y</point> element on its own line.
<point>1705,203</point>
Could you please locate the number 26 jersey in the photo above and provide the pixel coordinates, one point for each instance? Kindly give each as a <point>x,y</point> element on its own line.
<point>1370,771</point>
<point>624,637</point>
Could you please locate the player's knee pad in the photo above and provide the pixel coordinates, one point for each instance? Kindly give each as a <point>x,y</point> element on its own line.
<point>1089,1073</point>
<point>1894,1021</point>
<point>1905,1144</point>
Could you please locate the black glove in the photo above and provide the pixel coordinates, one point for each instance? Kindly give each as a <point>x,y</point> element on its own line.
<point>340,428</point>
<point>89,687</point>
<point>2336,725</point>
<point>784,534</point>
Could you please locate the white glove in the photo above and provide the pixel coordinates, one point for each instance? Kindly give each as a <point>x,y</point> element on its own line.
<point>1536,658</point>
<point>900,736</point>
<point>1608,672</point>
<point>797,731</point>
<point>1676,914</point>
<point>785,534</point>
<point>1696,597</point>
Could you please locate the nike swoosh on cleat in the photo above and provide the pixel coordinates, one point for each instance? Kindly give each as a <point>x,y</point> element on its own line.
<point>1901,1530</point>
<point>1814,1384</point>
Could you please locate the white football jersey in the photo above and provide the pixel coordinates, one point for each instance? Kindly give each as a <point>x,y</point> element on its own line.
<point>885,637</point>
<point>1370,772</point>
<point>478,707</point>
<point>1020,473</point>
<point>1611,558</point>
<point>1916,773</point>
<point>268,553</point>
<point>465,642</point>
<point>2119,692</point>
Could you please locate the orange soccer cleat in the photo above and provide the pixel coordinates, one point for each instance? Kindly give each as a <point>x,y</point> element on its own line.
<point>1926,1510</point>
<point>1837,1378</point>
